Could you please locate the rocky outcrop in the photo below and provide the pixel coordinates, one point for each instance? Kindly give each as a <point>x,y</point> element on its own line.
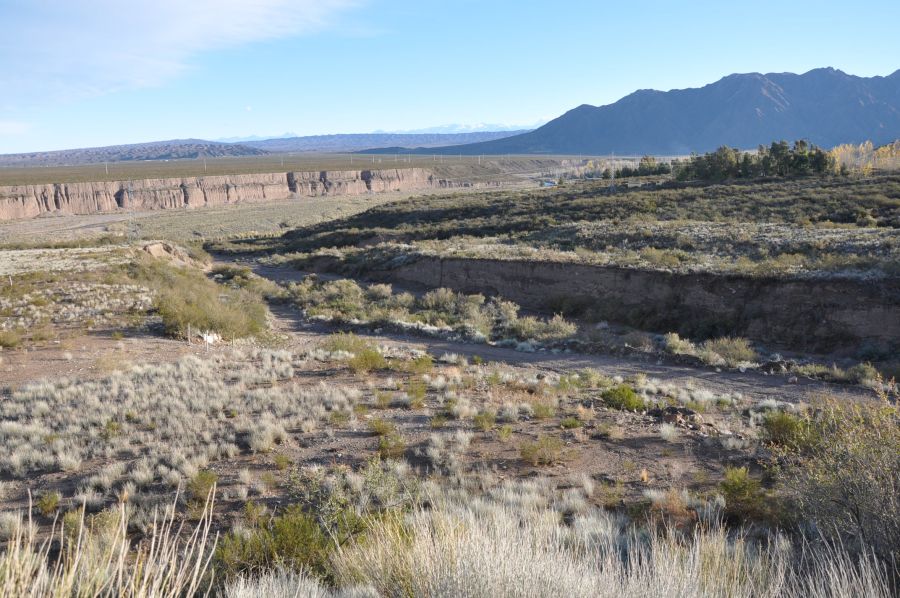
<point>29,201</point>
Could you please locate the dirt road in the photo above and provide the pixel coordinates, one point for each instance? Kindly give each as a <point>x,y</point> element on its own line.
<point>753,385</point>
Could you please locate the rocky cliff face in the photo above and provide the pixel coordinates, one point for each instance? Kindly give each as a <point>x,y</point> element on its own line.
<point>29,201</point>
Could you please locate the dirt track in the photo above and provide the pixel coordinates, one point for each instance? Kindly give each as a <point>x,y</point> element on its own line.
<point>755,385</point>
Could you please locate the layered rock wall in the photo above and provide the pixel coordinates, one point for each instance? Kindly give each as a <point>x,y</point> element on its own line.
<point>29,201</point>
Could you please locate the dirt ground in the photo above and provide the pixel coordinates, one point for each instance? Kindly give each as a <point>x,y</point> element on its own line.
<point>623,453</point>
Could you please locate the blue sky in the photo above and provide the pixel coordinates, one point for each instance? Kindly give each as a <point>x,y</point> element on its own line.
<point>97,72</point>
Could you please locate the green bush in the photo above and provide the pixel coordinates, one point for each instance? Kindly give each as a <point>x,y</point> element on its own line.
<point>785,429</point>
<point>423,364</point>
<point>292,540</point>
<point>844,475</point>
<point>9,339</point>
<point>346,342</point>
<point>733,350</point>
<point>485,420</point>
<point>282,462</point>
<point>531,328</point>
<point>546,450</point>
<point>187,298</point>
<point>199,487</point>
<point>417,389</point>
<point>744,497</point>
<point>366,361</point>
<point>244,278</point>
<point>381,427</point>
<point>48,503</point>
<point>570,423</point>
<point>391,446</point>
<point>622,397</point>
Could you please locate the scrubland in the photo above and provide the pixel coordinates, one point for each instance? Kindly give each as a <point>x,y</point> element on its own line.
<point>315,447</point>
<point>806,227</point>
<point>419,475</point>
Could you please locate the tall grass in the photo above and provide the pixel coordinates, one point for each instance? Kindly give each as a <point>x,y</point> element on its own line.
<point>170,562</point>
<point>505,544</point>
<point>499,550</point>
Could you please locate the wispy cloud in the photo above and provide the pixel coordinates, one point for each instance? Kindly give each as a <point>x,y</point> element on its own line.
<point>87,47</point>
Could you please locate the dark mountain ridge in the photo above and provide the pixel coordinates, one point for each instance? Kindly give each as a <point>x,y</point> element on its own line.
<point>825,106</point>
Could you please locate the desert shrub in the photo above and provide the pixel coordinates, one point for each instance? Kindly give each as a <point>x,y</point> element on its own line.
<point>546,450</point>
<point>200,486</point>
<point>531,328</point>
<point>105,560</point>
<point>383,399</point>
<point>440,300</point>
<point>622,397</point>
<point>42,333</point>
<point>381,427</point>
<point>242,277</point>
<point>570,423</point>
<point>744,497</point>
<point>731,350</point>
<point>844,476</point>
<point>485,421</point>
<point>10,339</point>
<point>678,346</point>
<point>500,548</point>
<point>391,446</point>
<point>48,503</point>
<point>668,432</point>
<point>422,364</point>
<point>863,373</point>
<point>610,431</point>
<point>366,361</point>
<point>785,429</point>
<point>379,292</point>
<point>345,342</point>
<point>186,297</point>
<point>339,419</point>
<point>292,541</point>
<point>543,409</point>
<point>416,389</point>
<point>282,462</point>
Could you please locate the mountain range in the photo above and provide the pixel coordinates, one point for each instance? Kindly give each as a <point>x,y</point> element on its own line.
<point>180,149</point>
<point>825,106</point>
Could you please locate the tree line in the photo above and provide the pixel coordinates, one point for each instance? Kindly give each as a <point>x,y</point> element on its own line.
<point>778,160</point>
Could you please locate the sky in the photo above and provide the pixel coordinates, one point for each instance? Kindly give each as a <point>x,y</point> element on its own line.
<point>82,73</point>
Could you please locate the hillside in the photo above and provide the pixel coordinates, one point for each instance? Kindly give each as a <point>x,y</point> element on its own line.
<point>178,149</point>
<point>362,142</point>
<point>157,150</point>
<point>825,106</point>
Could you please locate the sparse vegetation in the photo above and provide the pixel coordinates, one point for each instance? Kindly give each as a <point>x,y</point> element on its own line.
<point>440,311</point>
<point>362,465</point>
